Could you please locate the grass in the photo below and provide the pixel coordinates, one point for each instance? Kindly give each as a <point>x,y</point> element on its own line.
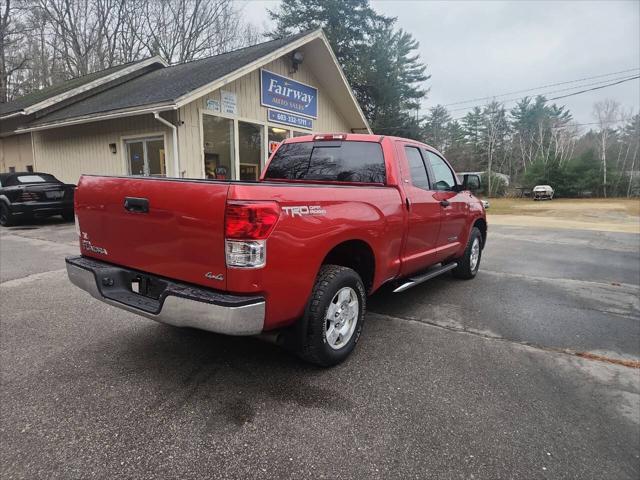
<point>604,214</point>
<point>580,207</point>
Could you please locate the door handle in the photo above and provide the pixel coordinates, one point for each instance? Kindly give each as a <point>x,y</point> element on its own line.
<point>407,203</point>
<point>444,203</point>
<point>136,205</point>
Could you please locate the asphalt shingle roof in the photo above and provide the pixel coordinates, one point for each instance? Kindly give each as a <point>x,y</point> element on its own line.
<point>41,95</point>
<point>167,84</point>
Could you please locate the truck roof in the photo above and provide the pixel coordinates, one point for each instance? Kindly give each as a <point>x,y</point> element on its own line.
<point>355,137</point>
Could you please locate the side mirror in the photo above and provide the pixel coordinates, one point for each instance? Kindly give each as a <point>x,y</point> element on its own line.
<point>471,182</point>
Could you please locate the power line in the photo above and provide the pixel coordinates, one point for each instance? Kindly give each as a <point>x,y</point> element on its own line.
<point>542,86</point>
<point>595,88</point>
<point>570,94</point>
<point>589,123</point>
<point>625,78</point>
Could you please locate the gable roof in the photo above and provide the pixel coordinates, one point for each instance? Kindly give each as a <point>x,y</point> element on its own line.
<point>176,85</point>
<point>48,96</point>
<point>167,85</point>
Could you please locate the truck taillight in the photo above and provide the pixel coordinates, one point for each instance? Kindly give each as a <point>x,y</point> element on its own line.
<point>250,220</point>
<point>247,225</point>
<point>246,253</point>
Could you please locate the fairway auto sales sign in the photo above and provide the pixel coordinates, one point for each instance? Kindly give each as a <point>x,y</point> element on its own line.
<point>288,95</point>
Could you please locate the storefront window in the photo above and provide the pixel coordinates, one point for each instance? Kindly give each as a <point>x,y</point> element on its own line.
<point>250,138</point>
<point>276,135</point>
<point>300,134</point>
<point>218,147</point>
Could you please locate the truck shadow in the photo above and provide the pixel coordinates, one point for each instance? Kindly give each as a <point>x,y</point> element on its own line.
<point>227,382</point>
<point>235,376</point>
<point>227,379</point>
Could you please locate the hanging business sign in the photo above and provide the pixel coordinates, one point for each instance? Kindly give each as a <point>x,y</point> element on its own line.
<point>288,95</point>
<point>285,118</point>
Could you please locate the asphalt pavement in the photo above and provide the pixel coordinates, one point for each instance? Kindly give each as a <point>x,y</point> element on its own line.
<point>452,379</point>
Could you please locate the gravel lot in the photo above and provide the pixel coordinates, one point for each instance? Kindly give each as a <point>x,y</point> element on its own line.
<point>451,379</point>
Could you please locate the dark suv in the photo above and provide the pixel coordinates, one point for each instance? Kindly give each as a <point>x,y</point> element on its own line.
<point>26,195</point>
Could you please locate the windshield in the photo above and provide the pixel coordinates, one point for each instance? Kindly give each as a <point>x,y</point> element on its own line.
<point>334,161</point>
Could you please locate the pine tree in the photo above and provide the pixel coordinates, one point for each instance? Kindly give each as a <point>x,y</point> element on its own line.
<point>435,127</point>
<point>472,124</point>
<point>379,60</point>
<point>391,92</point>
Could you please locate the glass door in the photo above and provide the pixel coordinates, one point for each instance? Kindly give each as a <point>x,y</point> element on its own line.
<point>218,147</point>
<point>146,156</point>
<point>250,136</point>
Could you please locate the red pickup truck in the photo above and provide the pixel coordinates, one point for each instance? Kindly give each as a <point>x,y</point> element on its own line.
<point>332,219</point>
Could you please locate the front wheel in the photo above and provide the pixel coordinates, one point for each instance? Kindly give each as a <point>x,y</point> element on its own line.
<point>469,263</point>
<point>334,316</point>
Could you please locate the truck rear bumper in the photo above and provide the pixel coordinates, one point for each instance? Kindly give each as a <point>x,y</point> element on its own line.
<point>173,303</point>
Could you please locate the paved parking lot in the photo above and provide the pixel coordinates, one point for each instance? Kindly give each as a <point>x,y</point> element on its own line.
<point>452,379</point>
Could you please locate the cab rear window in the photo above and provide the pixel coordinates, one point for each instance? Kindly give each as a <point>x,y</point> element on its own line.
<point>333,161</point>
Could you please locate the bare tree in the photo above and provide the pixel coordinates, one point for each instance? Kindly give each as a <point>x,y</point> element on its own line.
<point>44,42</point>
<point>184,30</point>
<point>12,37</point>
<point>606,113</point>
<point>130,46</point>
<point>110,18</point>
<point>84,32</point>
<point>495,130</point>
<point>563,141</point>
<point>631,136</point>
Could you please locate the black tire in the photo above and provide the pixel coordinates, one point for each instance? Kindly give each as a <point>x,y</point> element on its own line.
<point>68,216</point>
<point>465,270</point>
<point>313,345</point>
<point>6,219</point>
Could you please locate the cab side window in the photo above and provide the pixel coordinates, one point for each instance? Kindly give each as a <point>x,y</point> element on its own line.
<point>417,168</point>
<point>443,176</point>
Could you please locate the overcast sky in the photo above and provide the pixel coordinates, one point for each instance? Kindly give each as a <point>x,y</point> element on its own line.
<point>487,48</point>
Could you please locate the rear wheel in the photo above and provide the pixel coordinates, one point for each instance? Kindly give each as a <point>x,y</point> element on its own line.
<point>469,263</point>
<point>334,316</point>
<point>6,219</point>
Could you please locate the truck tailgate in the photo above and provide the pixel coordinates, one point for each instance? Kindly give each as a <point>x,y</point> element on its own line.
<point>172,228</point>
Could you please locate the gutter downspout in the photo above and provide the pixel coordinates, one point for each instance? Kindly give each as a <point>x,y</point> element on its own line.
<point>176,159</point>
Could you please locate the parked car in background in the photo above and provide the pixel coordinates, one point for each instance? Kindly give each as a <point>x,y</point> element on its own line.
<point>542,192</point>
<point>27,195</point>
<point>333,218</point>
